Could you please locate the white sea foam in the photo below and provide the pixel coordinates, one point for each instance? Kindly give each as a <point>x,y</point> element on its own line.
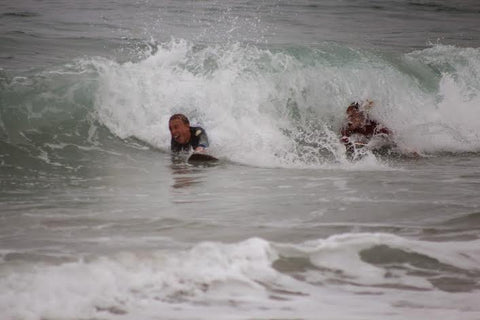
<point>239,281</point>
<point>340,253</point>
<point>449,120</point>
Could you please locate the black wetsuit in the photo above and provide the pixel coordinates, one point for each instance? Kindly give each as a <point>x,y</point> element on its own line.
<point>198,138</point>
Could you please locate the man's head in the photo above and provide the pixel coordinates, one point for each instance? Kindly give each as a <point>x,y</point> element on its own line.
<point>179,128</point>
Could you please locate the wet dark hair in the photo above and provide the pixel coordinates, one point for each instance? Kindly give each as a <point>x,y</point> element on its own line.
<point>181,117</point>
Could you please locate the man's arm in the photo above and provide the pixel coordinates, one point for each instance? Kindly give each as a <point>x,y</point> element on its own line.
<point>202,137</point>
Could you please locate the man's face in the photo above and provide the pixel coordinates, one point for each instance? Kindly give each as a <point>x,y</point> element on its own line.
<point>179,130</point>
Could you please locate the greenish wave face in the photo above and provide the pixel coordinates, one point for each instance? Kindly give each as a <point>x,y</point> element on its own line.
<point>280,106</point>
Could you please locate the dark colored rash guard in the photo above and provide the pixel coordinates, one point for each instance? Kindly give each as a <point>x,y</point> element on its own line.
<point>198,138</point>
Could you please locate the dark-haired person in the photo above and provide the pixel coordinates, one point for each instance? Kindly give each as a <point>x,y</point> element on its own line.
<point>359,129</point>
<point>185,137</point>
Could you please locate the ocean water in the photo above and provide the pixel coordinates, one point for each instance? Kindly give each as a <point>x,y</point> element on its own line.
<point>97,221</point>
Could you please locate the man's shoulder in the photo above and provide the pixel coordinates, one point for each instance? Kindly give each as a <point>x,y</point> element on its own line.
<point>196,130</point>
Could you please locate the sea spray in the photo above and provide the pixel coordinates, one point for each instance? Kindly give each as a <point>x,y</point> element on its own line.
<point>262,107</point>
<point>449,121</point>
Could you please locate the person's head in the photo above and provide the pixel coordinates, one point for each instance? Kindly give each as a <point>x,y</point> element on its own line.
<point>353,108</point>
<point>179,128</point>
<point>356,117</point>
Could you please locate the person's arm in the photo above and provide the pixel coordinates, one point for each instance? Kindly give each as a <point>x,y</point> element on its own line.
<point>345,132</point>
<point>383,129</point>
<point>379,128</point>
<point>202,140</point>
